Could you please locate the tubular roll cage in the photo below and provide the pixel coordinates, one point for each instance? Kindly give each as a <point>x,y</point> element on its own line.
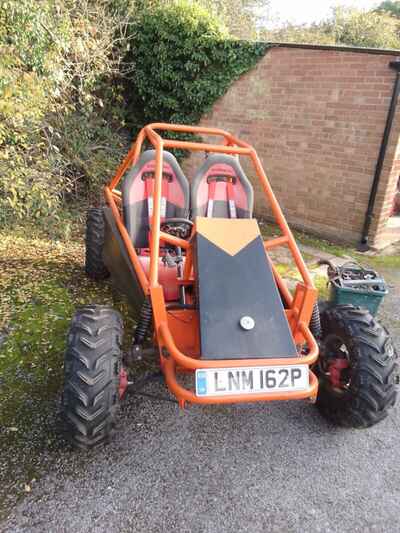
<point>299,306</point>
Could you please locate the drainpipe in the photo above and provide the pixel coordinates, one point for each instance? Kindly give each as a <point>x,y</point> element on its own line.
<point>363,246</point>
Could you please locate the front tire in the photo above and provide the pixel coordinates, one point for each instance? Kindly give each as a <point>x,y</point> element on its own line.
<point>92,375</point>
<point>357,369</point>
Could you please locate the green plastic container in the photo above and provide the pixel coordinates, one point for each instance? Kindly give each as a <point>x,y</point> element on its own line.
<point>368,298</point>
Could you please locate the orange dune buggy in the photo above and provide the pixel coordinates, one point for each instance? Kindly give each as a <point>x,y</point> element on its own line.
<point>192,262</point>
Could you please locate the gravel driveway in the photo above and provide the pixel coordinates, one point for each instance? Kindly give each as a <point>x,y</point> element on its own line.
<point>276,467</point>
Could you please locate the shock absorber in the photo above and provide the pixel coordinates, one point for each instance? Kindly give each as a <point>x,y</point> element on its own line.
<point>136,353</point>
<point>144,322</point>
<point>315,322</point>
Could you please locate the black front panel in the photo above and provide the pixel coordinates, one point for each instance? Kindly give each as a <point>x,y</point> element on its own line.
<point>231,288</point>
<point>117,260</point>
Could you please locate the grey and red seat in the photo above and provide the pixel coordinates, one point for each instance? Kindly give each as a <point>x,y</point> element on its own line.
<point>138,191</point>
<point>137,199</point>
<point>221,189</point>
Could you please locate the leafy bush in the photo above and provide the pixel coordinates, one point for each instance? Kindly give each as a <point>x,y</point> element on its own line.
<point>60,104</point>
<point>241,17</point>
<point>29,28</point>
<point>184,60</point>
<point>346,26</point>
<point>364,28</point>
<point>392,7</point>
<point>299,33</point>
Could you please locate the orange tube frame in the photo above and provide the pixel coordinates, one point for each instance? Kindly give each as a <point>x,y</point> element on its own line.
<point>300,313</point>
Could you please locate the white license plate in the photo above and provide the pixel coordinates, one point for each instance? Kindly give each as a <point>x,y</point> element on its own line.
<point>251,380</point>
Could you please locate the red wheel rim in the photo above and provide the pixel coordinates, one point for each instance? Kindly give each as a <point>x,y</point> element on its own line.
<point>336,368</point>
<point>336,365</point>
<point>123,382</point>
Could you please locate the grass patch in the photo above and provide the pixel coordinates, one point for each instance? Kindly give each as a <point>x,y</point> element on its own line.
<point>380,261</point>
<point>322,244</point>
<point>283,268</point>
<point>270,230</point>
<point>320,283</point>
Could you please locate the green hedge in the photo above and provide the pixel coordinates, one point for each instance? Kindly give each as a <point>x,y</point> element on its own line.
<point>183,61</point>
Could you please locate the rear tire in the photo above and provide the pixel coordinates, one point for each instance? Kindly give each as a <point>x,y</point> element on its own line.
<point>94,264</point>
<point>360,391</point>
<point>92,370</point>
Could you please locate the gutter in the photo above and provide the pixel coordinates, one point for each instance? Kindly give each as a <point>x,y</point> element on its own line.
<point>363,245</point>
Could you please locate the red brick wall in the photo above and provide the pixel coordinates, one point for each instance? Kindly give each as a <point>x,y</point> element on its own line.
<point>316,118</point>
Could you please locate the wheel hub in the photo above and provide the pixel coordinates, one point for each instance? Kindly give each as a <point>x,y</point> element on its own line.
<point>336,367</point>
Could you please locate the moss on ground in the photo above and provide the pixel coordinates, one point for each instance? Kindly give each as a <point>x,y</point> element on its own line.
<point>42,283</point>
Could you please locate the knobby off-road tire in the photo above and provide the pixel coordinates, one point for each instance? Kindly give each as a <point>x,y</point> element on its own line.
<point>369,386</point>
<point>92,366</point>
<point>94,264</point>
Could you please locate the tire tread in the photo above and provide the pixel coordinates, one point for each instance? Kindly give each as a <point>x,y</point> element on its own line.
<point>91,375</point>
<point>94,264</point>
